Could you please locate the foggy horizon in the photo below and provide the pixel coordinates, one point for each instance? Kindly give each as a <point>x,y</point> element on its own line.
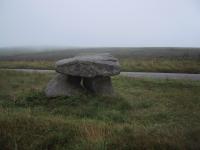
<point>99,23</point>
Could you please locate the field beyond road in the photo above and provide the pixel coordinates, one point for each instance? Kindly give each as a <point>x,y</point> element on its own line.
<point>127,64</point>
<point>144,114</point>
<point>174,60</point>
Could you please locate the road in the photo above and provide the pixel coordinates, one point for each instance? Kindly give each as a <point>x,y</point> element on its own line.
<point>131,74</point>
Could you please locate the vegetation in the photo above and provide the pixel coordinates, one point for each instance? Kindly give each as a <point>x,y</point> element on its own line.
<point>152,59</point>
<point>27,64</point>
<point>128,64</point>
<point>144,114</point>
<point>161,65</point>
<point>119,52</point>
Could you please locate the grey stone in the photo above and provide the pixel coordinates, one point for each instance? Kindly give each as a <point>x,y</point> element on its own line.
<point>89,66</point>
<point>63,85</point>
<point>99,85</point>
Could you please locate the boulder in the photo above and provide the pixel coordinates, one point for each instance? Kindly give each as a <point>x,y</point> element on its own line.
<point>91,73</point>
<point>89,66</point>
<point>99,85</point>
<point>62,85</point>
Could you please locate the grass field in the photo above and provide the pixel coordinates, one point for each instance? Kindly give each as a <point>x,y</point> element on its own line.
<point>127,64</point>
<point>144,114</point>
<point>152,59</point>
<point>27,64</point>
<point>176,65</point>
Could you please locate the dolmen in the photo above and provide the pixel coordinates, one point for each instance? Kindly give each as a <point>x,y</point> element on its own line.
<point>90,73</point>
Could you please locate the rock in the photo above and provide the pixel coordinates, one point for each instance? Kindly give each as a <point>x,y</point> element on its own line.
<point>99,85</point>
<point>93,70</point>
<point>89,66</point>
<point>63,85</point>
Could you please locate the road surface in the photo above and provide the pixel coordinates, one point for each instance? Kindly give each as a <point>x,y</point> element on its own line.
<point>131,74</point>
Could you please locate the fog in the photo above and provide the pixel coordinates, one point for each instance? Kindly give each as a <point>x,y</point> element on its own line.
<point>123,23</point>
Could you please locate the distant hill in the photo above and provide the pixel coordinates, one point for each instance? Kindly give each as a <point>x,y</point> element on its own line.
<point>134,52</point>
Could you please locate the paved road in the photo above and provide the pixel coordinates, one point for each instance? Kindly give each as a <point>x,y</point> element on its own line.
<point>132,74</point>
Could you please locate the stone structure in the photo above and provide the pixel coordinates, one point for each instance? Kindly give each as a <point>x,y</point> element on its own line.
<point>91,73</point>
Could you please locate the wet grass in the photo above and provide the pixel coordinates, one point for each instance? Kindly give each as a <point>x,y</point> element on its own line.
<point>144,114</point>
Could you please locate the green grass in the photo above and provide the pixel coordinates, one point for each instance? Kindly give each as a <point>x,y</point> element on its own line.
<point>161,65</point>
<point>43,64</point>
<point>144,114</point>
<point>127,64</point>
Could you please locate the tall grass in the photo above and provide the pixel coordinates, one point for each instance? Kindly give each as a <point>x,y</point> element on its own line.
<point>144,114</point>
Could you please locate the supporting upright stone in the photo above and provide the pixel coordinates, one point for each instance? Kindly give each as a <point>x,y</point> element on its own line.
<point>63,85</point>
<point>99,85</point>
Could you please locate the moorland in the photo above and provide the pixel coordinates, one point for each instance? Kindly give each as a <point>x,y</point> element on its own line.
<point>143,113</point>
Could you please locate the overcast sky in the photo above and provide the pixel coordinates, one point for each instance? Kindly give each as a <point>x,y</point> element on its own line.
<point>100,23</point>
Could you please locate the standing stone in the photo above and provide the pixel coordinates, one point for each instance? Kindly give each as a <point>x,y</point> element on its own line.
<point>63,85</point>
<point>93,70</point>
<point>98,85</point>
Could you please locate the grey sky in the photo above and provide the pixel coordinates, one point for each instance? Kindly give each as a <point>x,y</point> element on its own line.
<point>100,23</point>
